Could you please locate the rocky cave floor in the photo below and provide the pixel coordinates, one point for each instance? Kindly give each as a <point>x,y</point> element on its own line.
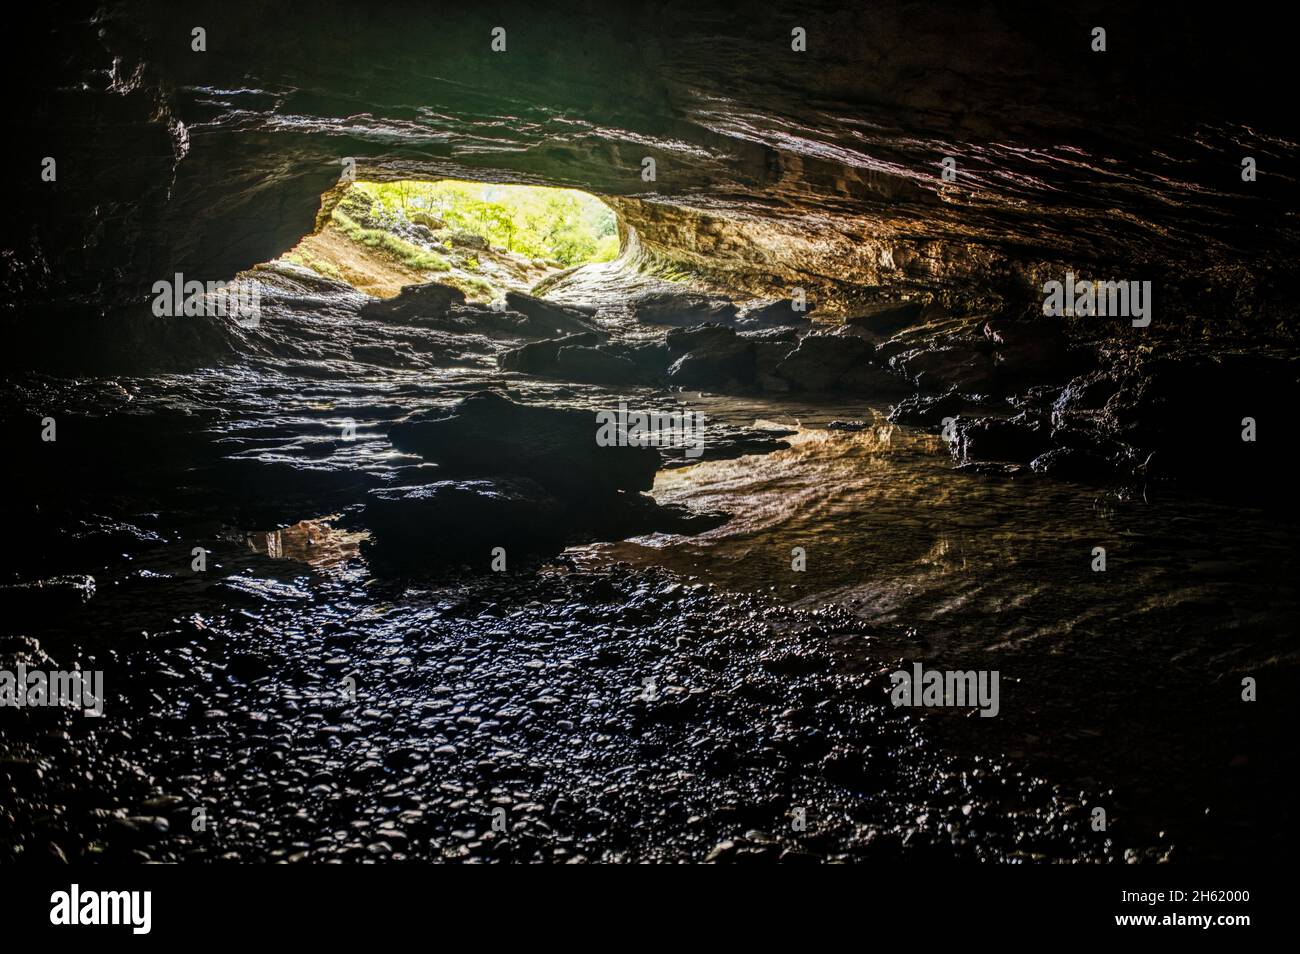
<point>613,711</point>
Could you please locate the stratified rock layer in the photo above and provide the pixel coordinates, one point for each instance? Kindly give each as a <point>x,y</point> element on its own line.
<point>774,169</point>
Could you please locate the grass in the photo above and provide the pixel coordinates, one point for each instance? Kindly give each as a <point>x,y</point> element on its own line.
<point>412,256</point>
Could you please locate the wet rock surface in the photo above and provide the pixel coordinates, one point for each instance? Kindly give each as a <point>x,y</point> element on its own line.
<point>1192,418</point>
<point>1016,440</point>
<point>542,357</point>
<point>833,362</point>
<point>595,366</point>
<point>786,313</point>
<point>548,318</point>
<point>587,359</point>
<point>1159,417</point>
<point>560,486</point>
<point>715,357</point>
<point>682,308</point>
<point>649,718</point>
<point>489,433</point>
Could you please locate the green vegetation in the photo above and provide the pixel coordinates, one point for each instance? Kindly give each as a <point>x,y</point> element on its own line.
<point>318,265</point>
<point>560,226</point>
<point>485,240</point>
<point>475,288</point>
<point>403,251</point>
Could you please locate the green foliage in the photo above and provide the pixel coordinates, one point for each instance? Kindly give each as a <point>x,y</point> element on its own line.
<point>606,248</point>
<point>559,225</point>
<point>403,251</point>
<point>472,286</point>
<point>320,266</point>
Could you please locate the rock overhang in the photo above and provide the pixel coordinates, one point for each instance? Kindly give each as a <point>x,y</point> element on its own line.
<point>774,168</point>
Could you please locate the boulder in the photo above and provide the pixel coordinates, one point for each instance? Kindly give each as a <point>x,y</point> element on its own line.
<point>549,318</point>
<point>715,362</point>
<point>426,218</point>
<point>1071,463</point>
<point>481,319</point>
<point>681,308</point>
<point>771,346</point>
<point>415,304</point>
<point>820,360</point>
<point>831,362</point>
<point>590,365</point>
<point>941,369</point>
<point>573,358</point>
<point>650,357</point>
<point>869,378</point>
<point>768,356</point>
<point>487,434</point>
<point>927,409</point>
<point>540,357</point>
<point>1018,439</point>
<point>471,240</point>
<point>1184,417</point>
<point>772,314</point>
<point>680,341</point>
<point>459,522</point>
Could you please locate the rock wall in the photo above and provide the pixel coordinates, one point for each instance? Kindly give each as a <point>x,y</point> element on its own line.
<point>774,168</point>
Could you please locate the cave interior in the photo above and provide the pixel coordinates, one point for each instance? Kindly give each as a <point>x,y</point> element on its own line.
<point>834,231</point>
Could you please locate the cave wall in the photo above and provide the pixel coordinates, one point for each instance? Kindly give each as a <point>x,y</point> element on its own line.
<point>774,168</point>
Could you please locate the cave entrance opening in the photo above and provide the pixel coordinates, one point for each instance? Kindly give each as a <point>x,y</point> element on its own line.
<point>483,238</point>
